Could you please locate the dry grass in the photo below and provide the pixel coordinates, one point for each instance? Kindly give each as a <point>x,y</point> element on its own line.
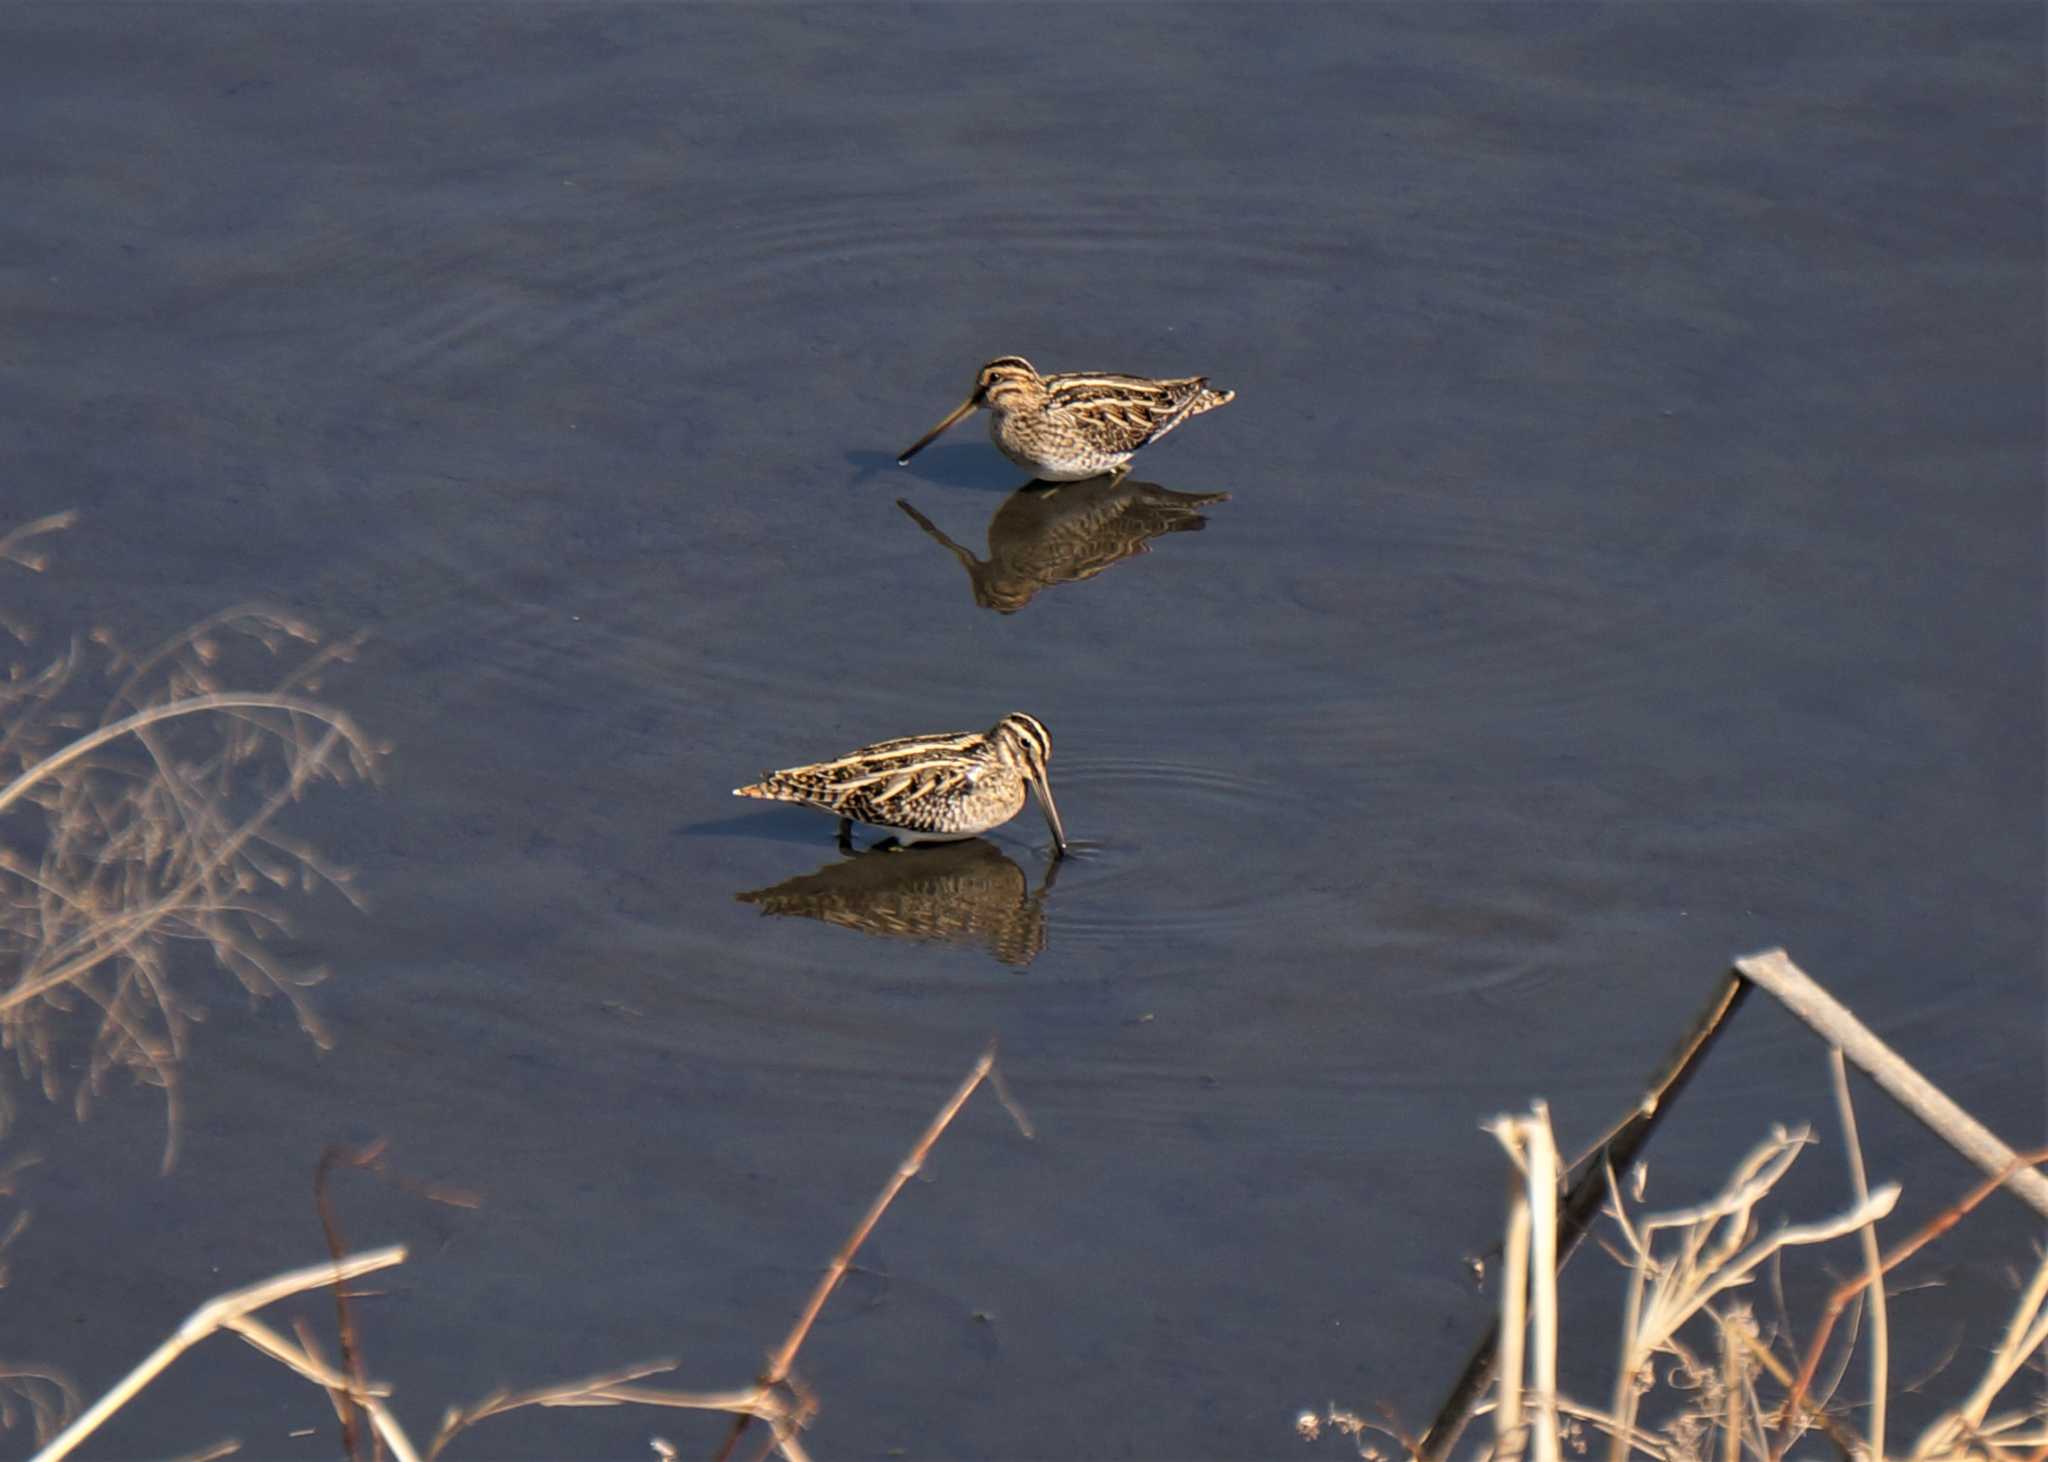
<point>139,796</point>
<point>777,1397</point>
<point>139,844</point>
<point>1725,1387</point>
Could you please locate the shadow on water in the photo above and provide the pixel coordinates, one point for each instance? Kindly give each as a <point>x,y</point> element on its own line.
<point>1046,534</point>
<point>974,465</point>
<point>968,893</point>
<point>788,823</point>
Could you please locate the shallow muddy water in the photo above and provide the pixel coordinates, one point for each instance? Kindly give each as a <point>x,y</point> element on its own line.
<point>1632,557</point>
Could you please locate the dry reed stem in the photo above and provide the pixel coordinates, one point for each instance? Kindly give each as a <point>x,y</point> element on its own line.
<point>1531,1266</point>
<point>1873,1260</point>
<point>1582,1202</point>
<point>1541,1151</point>
<point>1799,993</point>
<point>1514,1317</point>
<point>784,1356</point>
<point>310,1344</point>
<point>344,1323</point>
<point>213,1453</point>
<point>614,1389</point>
<point>1848,1444</point>
<point>1633,1439</point>
<point>2025,1334</point>
<point>216,1314</point>
<point>371,1398</point>
<point>1717,1251</point>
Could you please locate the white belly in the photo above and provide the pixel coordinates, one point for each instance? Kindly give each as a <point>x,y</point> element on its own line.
<point>906,837</point>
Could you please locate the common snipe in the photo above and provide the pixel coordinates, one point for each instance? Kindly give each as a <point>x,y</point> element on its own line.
<point>1067,427</point>
<point>937,788</point>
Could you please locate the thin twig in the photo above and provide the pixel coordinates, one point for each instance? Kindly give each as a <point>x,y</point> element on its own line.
<point>784,1355</point>
<point>1873,1261</point>
<point>215,1314</point>
<point>344,1322</point>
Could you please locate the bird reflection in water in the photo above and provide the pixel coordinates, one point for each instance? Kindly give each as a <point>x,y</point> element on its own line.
<point>952,893</point>
<point>1047,533</point>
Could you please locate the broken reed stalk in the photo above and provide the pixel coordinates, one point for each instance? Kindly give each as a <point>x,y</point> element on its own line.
<point>1582,1203</point>
<point>226,1312</point>
<point>1799,993</point>
<point>784,1356</point>
<point>1531,1268</point>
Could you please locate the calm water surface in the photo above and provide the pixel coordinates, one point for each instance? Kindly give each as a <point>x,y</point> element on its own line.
<point>1632,557</point>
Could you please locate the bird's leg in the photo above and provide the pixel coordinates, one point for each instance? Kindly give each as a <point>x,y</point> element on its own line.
<point>846,835</point>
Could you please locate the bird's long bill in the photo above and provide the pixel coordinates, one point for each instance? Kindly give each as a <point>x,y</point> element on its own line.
<point>929,437</point>
<point>1052,815</point>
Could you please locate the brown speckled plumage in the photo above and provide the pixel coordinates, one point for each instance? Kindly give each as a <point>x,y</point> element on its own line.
<point>952,784</point>
<point>1077,424</point>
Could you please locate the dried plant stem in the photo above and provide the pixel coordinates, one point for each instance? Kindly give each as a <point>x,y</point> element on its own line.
<point>369,1398</point>
<point>1734,1388</point>
<point>1514,1320</point>
<point>1582,1201</point>
<point>10,542</point>
<point>220,1313</point>
<point>784,1355</point>
<point>1873,1260</point>
<point>149,716</point>
<point>2025,1334</point>
<point>1532,1230</point>
<point>1541,1154</point>
<point>1800,994</point>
